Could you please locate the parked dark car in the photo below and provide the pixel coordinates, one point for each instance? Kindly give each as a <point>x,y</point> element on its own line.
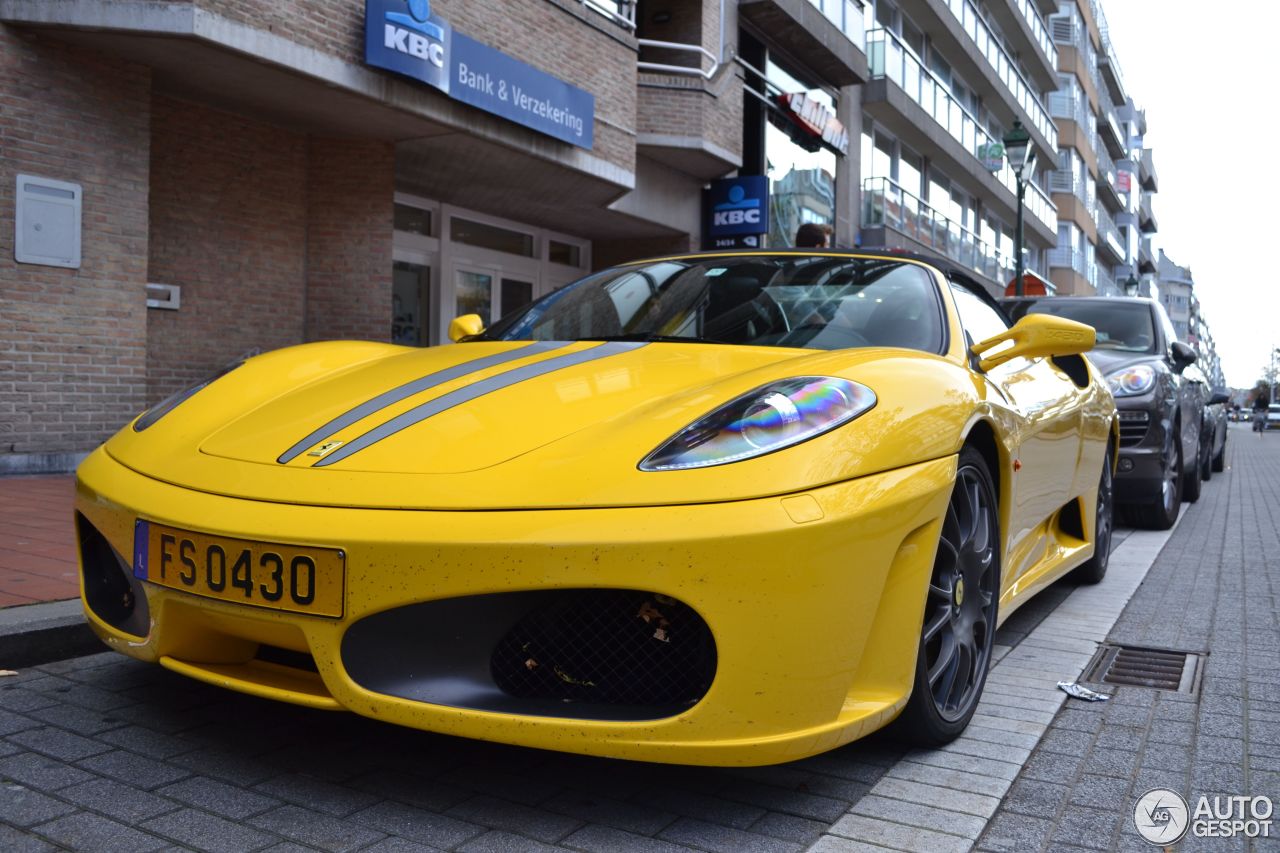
<point>1213,433</point>
<point>1161,413</point>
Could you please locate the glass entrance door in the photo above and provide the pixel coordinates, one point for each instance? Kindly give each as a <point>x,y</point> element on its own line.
<point>517,292</point>
<point>490,291</point>
<point>410,304</point>
<point>474,292</point>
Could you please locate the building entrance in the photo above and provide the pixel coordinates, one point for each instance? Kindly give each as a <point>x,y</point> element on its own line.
<point>450,261</point>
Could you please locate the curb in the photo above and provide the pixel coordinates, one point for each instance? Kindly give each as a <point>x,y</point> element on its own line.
<point>33,634</point>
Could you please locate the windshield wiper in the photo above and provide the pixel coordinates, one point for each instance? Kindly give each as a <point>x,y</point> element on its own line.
<point>650,338</point>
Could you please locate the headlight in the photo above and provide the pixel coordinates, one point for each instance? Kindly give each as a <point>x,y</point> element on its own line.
<point>168,404</point>
<point>1132,380</point>
<point>769,418</point>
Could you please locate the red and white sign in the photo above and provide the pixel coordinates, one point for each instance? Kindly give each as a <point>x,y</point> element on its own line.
<point>1124,181</point>
<point>816,118</point>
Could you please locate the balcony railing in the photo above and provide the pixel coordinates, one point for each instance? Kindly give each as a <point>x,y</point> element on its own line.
<point>1070,104</point>
<point>847,16</point>
<point>1108,233</point>
<point>1063,181</point>
<point>1006,69</point>
<point>1108,57</point>
<point>888,57</point>
<point>1106,283</point>
<point>1039,30</point>
<point>703,62</point>
<point>887,204</point>
<point>1067,257</point>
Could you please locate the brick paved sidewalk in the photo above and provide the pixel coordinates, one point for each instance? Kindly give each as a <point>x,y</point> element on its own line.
<point>37,543</point>
<point>1213,589</point>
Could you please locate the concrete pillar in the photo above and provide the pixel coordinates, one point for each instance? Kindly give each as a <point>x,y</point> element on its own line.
<point>849,168</point>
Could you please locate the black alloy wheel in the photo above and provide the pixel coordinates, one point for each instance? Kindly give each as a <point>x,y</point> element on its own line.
<point>960,610</point>
<point>1095,568</point>
<point>1161,513</point>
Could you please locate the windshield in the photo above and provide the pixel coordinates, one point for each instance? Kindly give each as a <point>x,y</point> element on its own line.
<point>784,300</point>
<point>1124,326</point>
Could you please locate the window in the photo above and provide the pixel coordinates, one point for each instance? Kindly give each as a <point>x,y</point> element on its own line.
<point>410,304</point>
<point>909,167</point>
<point>882,157</point>
<point>961,208</point>
<point>784,300</point>
<point>800,175</point>
<point>621,11</point>
<point>564,253</point>
<point>1124,326</point>
<point>980,320</point>
<point>412,220</point>
<point>485,236</point>
<point>939,192</point>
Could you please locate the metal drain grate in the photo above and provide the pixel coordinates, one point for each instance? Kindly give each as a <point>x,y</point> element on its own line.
<point>1162,669</point>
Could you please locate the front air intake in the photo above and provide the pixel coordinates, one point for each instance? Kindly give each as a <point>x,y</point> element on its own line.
<point>597,654</point>
<point>616,647</point>
<point>110,590</point>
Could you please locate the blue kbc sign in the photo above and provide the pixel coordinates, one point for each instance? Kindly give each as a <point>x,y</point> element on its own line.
<point>735,207</point>
<point>403,36</point>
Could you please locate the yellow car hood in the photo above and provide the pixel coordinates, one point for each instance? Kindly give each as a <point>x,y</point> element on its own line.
<point>475,420</point>
<point>500,425</point>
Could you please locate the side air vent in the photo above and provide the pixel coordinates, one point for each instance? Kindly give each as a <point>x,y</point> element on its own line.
<point>1133,428</point>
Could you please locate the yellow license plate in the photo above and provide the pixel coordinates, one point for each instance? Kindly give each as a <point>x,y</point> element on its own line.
<point>298,578</point>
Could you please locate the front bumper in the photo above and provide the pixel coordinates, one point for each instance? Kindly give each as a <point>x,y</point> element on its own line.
<point>814,601</point>
<point>1144,430</point>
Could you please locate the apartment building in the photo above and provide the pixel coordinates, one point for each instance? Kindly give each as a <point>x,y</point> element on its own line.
<point>1176,288</point>
<point>948,79</point>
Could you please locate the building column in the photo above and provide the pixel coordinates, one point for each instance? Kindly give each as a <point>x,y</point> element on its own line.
<point>849,169</point>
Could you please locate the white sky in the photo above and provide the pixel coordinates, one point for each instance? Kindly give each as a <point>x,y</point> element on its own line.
<point>1205,81</point>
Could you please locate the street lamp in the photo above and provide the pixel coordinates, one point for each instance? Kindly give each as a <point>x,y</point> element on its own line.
<point>1017,147</point>
<point>1131,285</point>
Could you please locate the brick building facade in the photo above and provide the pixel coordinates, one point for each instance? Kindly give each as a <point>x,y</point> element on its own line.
<point>243,163</point>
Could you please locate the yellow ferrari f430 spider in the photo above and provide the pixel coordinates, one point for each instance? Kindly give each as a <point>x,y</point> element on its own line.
<point>732,508</point>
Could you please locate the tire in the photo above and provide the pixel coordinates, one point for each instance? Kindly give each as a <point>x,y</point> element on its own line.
<point>1206,458</point>
<point>1162,511</point>
<point>1095,568</point>
<point>1219,463</point>
<point>1191,481</point>
<point>961,606</point>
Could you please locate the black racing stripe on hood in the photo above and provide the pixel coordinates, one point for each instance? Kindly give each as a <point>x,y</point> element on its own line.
<point>417,386</point>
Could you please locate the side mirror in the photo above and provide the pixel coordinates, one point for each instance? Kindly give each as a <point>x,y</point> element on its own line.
<point>1035,336</point>
<point>1219,397</point>
<point>1182,355</point>
<point>465,326</point>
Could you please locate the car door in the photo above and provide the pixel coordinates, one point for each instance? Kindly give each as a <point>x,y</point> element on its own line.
<point>1045,405</point>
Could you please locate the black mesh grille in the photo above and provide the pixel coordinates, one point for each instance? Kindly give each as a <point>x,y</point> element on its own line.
<point>613,647</point>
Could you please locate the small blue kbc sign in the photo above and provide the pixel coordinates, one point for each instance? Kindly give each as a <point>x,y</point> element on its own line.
<point>405,37</point>
<point>736,210</point>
